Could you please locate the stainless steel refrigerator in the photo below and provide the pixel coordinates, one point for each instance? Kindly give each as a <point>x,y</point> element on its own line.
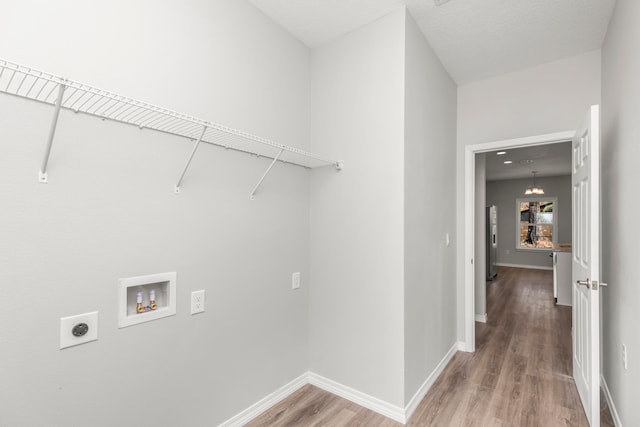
<point>492,241</point>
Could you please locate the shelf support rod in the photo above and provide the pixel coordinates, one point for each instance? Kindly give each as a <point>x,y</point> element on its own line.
<point>193,153</point>
<point>42,176</point>
<point>275,159</point>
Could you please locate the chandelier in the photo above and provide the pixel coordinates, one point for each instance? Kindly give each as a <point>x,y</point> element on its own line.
<point>534,189</point>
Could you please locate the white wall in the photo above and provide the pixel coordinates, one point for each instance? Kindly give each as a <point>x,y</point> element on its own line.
<point>620,175</point>
<point>429,193</point>
<point>109,212</point>
<point>223,61</point>
<point>357,223</point>
<point>548,98</point>
<point>504,194</point>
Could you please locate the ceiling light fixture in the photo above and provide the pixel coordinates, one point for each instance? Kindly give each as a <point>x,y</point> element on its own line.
<point>534,189</point>
<point>500,153</point>
<point>507,162</point>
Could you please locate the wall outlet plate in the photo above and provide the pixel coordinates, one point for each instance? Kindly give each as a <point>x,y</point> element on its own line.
<point>67,324</point>
<point>197,302</point>
<point>295,280</point>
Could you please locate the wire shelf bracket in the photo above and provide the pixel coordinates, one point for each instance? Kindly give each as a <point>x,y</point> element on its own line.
<point>193,153</point>
<point>42,175</point>
<point>252,196</point>
<point>26,82</point>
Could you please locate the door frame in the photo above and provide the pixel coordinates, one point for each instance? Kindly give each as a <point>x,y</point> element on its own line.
<point>468,316</point>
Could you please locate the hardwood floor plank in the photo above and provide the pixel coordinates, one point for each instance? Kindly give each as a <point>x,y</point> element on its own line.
<point>519,375</point>
<point>507,406</point>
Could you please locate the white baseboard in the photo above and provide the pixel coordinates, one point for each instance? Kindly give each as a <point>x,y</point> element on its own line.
<point>462,346</point>
<point>422,391</point>
<point>481,318</point>
<point>612,406</point>
<point>532,267</point>
<point>259,407</point>
<point>394,412</point>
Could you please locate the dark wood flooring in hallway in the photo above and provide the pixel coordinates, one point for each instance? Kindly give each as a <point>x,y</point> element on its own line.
<point>519,375</point>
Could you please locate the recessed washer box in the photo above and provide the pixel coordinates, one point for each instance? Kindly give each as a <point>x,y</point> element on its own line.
<point>133,289</point>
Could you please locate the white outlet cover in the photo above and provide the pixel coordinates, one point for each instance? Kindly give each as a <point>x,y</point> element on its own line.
<point>67,339</point>
<point>197,302</point>
<point>295,280</point>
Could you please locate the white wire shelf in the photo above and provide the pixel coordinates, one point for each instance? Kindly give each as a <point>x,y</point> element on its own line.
<point>63,93</point>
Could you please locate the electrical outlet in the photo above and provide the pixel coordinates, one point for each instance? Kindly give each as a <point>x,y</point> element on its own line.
<point>197,302</point>
<point>78,329</point>
<point>295,280</point>
<point>624,356</point>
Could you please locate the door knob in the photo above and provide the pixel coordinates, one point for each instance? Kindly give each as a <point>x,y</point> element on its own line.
<point>586,283</point>
<point>595,285</point>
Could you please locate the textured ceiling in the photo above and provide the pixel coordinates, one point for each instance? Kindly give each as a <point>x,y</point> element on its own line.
<point>548,160</point>
<point>474,39</point>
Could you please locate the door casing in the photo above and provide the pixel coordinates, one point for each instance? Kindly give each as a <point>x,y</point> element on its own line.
<point>467,317</point>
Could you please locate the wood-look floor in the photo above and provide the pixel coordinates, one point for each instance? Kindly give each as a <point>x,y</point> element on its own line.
<point>519,375</point>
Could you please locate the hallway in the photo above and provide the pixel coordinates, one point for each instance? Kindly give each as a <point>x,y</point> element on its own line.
<point>520,374</point>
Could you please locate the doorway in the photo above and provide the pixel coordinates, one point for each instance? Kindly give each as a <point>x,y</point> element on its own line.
<point>525,225</point>
<point>470,216</point>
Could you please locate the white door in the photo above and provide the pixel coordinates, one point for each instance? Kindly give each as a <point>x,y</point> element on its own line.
<point>586,278</point>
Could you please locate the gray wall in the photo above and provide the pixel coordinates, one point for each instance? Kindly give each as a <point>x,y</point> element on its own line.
<point>382,296</point>
<point>357,223</point>
<point>109,212</point>
<point>429,193</point>
<point>549,98</point>
<point>480,255</point>
<point>503,194</point>
<point>620,175</point>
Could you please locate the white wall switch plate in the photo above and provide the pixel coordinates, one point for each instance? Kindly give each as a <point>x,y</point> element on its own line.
<point>447,240</point>
<point>295,280</point>
<point>78,329</point>
<point>197,302</point>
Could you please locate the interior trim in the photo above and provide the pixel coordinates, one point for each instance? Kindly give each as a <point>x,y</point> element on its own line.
<point>389,410</point>
<point>609,398</point>
<point>482,318</point>
<point>532,267</point>
<point>465,265</point>
<point>267,402</point>
<point>431,379</point>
